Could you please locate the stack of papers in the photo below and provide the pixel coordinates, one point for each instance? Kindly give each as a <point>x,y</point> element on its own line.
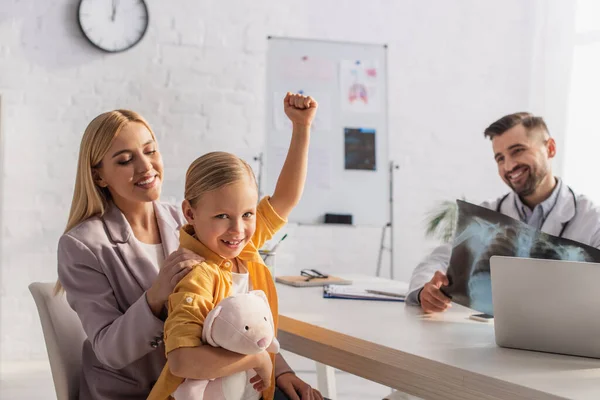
<point>365,292</point>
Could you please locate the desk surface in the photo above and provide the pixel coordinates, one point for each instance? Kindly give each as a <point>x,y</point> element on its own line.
<point>442,356</point>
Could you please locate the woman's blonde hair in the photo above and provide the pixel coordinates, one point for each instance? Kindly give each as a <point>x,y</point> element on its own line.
<point>213,171</point>
<point>90,199</point>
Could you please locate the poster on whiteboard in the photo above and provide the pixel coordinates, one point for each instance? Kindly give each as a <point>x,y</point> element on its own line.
<point>359,86</point>
<point>359,149</point>
<point>305,67</point>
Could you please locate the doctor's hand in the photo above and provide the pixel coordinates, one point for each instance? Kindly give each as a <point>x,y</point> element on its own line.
<point>431,297</point>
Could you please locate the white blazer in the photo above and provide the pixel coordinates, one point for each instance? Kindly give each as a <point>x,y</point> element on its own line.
<point>579,217</point>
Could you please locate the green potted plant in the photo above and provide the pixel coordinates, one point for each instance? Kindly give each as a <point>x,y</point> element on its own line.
<point>441,221</point>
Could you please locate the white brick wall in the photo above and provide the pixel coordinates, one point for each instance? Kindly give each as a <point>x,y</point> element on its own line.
<point>198,77</point>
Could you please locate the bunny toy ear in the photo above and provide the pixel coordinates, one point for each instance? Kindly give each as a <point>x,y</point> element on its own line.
<point>260,294</point>
<point>208,326</point>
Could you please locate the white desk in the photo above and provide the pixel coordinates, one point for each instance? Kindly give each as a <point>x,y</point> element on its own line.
<point>445,356</point>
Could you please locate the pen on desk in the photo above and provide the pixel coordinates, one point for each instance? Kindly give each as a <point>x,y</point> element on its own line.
<point>278,243</point>
<point>390,294</point>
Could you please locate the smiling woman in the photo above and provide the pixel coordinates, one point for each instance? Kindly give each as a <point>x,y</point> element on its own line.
<point>132,167</point>
<point>109,144</point>
<point>117,260</point>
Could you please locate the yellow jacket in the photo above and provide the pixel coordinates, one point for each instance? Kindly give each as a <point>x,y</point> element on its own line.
<point>206,285</point>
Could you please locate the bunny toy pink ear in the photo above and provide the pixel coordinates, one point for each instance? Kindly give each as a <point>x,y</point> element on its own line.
<point>208,326</point>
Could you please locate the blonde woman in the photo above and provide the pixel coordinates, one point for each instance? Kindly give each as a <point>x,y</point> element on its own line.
<point>117,260</point>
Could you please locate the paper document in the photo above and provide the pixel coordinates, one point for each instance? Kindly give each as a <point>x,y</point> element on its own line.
<point>365,291</point>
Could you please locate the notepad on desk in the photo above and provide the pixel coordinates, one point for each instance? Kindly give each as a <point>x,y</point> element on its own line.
<point>302,281</point>
<point>364,292</point>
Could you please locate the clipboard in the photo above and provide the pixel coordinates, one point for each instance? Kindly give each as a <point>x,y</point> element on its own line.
<point>300,281</point>
<point>359,293</point>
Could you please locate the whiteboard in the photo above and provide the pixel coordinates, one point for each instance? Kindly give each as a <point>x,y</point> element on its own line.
<point>348,171</point>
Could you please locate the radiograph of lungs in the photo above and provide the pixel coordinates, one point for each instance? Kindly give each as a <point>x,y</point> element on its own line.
<point>482,233</point>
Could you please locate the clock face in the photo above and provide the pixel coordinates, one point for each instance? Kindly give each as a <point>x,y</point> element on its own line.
<point>113,25</point>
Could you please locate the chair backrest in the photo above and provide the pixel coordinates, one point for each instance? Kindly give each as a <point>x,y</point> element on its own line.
<point>64,337</point>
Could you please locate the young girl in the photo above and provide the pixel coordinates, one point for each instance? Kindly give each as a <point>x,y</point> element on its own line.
<point>227,227</point>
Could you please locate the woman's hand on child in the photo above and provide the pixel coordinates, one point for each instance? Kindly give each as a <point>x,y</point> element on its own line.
<point>262,380</point>
<point>296,389</point>
<point>300,109</point>
<point>175,267</point>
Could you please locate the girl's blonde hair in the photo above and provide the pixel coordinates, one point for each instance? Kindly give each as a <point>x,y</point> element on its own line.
<point>213,171</point>
<point>90,199</point>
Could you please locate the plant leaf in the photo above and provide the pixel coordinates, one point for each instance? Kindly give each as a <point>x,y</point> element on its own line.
<point>441,221</point>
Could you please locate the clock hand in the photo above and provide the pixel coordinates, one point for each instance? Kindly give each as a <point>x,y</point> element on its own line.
<point>114,10</point>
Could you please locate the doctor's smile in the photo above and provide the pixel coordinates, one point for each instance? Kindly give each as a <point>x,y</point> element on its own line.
<point>519,175</point>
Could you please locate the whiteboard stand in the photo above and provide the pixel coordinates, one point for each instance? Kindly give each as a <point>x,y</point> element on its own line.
<point>382,248</point>
<point>390,225</point>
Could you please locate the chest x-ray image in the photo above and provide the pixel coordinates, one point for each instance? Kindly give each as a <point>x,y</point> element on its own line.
<point>482,233</point>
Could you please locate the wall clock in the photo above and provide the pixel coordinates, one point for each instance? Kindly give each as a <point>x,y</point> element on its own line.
<point>113,25</point>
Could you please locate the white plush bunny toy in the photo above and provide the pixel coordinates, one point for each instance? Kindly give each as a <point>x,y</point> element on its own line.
<point>243,324</point>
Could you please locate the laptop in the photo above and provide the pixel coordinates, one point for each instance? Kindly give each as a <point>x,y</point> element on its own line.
<point>546,305</point>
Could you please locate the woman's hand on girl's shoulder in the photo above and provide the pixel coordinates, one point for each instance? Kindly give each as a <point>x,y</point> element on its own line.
<point>177,265</point>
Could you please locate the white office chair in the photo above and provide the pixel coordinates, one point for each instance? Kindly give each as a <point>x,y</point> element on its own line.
<point>64,337</point>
